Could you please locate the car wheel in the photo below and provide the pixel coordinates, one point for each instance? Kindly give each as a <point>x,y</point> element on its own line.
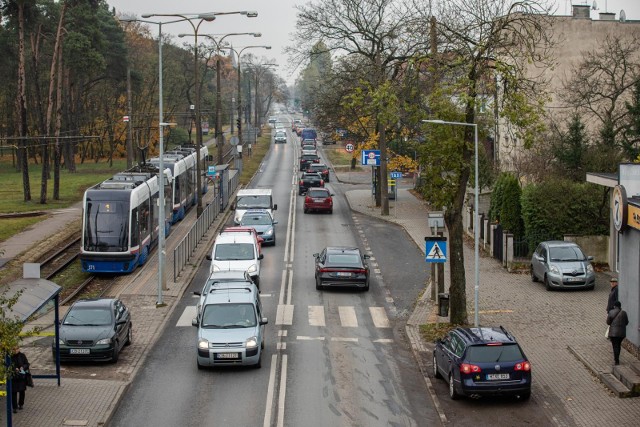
<point>299,193</point>
<point>257,282</point>
<point>116,353</point>
<point>366,286</point>
<point>436,373</point>
<point>533,275</point>
<point>274,240</point>
<point>592,287</point>
<point>318,284</point>
<point>331,211</point>
<point>453,394</point>
<point>547,283</point>
<point>262,344</point>
<point>259,364</point>
<point>305,210</point>
<point>129,335</point>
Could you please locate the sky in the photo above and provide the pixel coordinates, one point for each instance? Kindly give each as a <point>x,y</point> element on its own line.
<point>277,19</point>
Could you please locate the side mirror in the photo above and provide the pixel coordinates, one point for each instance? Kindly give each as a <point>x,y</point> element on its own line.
<point>209,257</point>
<point>260,256</point>
<point>367,256</point>
<point>590,258</point>
<point>316,255</point>
<point>332,194</point>
<point>274,222</point>
<point>194,321</point>
<point>275,207</point>
<point>197,293</point>
<point>264,321</point>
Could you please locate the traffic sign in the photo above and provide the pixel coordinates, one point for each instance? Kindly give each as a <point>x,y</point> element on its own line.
<point>125,118</point>
<point>211,171</point>
<point>371,157</point>
<point>436,249</point>
<point>349,148</point>
<point>234,140</point>
<point>396,175</point>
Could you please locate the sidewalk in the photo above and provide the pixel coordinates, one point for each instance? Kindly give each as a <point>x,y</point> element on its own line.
<point>550,326</point>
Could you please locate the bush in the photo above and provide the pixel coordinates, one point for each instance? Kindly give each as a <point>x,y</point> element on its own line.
<point>505,204</point>
<point>555,208</point>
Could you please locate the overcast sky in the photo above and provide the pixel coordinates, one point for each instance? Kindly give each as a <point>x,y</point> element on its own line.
<point>277,18</point>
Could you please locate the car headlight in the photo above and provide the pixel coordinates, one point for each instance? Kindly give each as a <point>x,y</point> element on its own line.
<point>61,341</point>
<point>251,342</point>
<point>203,344</point>
<point>253,268</point>
<point>104,341</point>
<point>269,232</point>
<point>589,269</point>
<point>216,267</point>
<point>554,269</point>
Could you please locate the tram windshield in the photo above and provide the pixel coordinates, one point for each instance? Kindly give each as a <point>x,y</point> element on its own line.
<point>106,227</point>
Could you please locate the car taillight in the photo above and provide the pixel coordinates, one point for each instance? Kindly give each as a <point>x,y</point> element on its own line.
<point>322,182</point>
<point>361,271</point>
<point>300,182</point>
<point>307,199</point>
<point>325,172</point>
<point>522,366</point>
<point>467,368</point>
<point>316,161</point>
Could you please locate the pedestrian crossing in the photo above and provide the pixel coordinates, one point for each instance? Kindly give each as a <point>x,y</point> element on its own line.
<point>316,315</point>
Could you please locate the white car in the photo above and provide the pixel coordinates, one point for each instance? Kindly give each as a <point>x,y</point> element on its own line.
<point>236,251</point>
<point>281,137</point>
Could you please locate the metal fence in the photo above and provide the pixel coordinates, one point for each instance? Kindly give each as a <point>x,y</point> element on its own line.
<point>184,250</point>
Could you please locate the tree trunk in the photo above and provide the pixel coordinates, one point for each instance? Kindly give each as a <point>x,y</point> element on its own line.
<point>457,289</point>
<point>56,161</point>
<point>21,105</point>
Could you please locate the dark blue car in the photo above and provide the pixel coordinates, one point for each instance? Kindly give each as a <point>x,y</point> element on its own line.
<point>482,361</point>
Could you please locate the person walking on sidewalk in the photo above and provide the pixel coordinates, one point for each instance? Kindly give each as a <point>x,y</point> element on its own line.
<point>617,320</point>
<point>613,294</point>
<point>20,365</point>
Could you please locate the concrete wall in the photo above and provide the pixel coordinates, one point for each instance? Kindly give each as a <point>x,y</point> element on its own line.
<point>629,281</point>
<point>595,246</point>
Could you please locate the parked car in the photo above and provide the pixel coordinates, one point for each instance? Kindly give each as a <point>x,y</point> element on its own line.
<point>221,279</point>
<point>482,361</point>
<point>562,265</point>
<point>321,168</point>
<point>264,224</point>
<point>230,328</point>
<point>341,266</point>
<point>309,180</point>
<point>319,200</point>
<point>94,330</point>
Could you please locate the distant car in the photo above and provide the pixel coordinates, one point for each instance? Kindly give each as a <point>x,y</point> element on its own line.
<point>309,142</point>
<point>307,159</point>
<point>309,133</point>
<point>482,361</point>
<point>281,137</point>
<point>562,265</point>
<point>321,168</point>
<point>341,266</point>
<point>272,120</point>
<point>309,180</point>
<point>318,200</point>
<point>263,223</point>
<point>94,330</point>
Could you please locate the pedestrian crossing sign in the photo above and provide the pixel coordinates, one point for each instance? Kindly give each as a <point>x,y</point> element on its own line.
<point>436,250</point>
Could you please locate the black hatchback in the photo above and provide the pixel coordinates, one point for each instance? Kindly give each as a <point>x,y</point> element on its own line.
<point>482,361</point>
<point>94,330</point>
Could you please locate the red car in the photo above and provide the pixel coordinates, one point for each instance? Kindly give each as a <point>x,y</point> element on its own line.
<point>318,199</point>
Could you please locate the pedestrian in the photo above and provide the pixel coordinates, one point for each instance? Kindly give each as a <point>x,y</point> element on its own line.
<point>617,320</point>
<point>613,294</point>
<point>20,365</point>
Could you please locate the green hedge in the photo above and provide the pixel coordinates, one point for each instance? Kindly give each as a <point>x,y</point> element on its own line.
<point>505,204</point>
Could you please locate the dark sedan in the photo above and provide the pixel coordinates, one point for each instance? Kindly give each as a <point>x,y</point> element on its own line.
<point>321,168</point>
<point>94,330</point>
<point>309,180</point>
<point>341,266</point>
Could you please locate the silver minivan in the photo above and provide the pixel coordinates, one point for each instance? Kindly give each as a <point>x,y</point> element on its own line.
<point>562,265</point>
<point>230,328</point>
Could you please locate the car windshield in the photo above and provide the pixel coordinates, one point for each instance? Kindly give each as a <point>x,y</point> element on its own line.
<point>88,316</point>
<point>255,220</point>
<point>344,260</point>
<point>566,253</point>
<point>234,251</point>
<point>255,202</point>
<point>318,193</point>
<point>230,315</point>
<point>494,353</point>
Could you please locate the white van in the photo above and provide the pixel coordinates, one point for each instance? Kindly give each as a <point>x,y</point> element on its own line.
<point>236,251</point>
<point>256,198</point>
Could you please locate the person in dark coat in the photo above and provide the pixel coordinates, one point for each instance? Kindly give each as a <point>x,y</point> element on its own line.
<point>617,320</point>
<point>20,365</point>
<point>613,294</point>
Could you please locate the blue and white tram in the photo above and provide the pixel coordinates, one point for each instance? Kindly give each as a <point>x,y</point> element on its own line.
<point>120,220</point>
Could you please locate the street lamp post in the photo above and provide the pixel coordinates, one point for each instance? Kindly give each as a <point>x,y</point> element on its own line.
<point>209,16</point>
<point>476,226</point>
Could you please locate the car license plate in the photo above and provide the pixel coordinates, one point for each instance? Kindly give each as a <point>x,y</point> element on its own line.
<point>342,274</point>
<point>318,200</point>
<point>227,355</point>
<point>497,377</point>
<point>574,279</point>
<point>79,351</point>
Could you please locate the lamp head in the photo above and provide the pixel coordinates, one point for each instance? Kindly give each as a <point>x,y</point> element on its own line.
<point>148,15</point>
<point>209,16</point>
<point>256,34</point>
<point>252,14</point>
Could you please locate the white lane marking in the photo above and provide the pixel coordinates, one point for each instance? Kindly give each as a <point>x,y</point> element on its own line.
<point>377,271</point>
<point>283,391</point>
<point>316,315</point>
<point>281,346</point>
<point>348,316</point>
<point>270,391</point>
<point>187,315</point>
<point>265,295</point>
<point>289,228</point>
<point>289,292</point>
<point>282,282</point>
<point>306,338</point>
<point>284,315</point>
<point>383,341</point>
<point>379,316</point>
<point>343,339</point>
<point>282,332</point>
<point>293,227</point>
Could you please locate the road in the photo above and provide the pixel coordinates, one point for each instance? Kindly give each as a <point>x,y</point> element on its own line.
<point>332,357</point>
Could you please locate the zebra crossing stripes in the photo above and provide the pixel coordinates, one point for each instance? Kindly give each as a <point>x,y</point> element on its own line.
<point>316,315</point>
<point>187,315</point>
<point>348,317</point>
<point>379,316</point>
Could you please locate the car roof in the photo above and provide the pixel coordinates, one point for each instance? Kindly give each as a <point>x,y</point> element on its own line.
<point>235,238</point>
<point>556,243</point>
<point>95,302</point>
<point>317,165</point>
<point>257,212</point>
<point>255,192</point>
<point>229,275</point>
<point>342,249</point>
<point>485,335</point>
<point>238,229</point>
<point>230,294</point>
